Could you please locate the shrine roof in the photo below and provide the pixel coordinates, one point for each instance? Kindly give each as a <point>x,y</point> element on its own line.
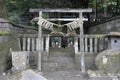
<point>113,34</point>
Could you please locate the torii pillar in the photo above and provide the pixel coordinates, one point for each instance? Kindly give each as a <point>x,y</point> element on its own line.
<point>82,43</point>
<point>39,43</point>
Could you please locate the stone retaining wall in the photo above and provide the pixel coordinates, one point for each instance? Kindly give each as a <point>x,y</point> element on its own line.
<point>7,42</point>
<point>89,61</point>
<point>112,25</point>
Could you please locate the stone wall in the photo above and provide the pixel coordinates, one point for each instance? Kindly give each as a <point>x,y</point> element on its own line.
<point>7,42</point>
<point>9,27</point>
<point>9,39</point>
<point>104,27</point>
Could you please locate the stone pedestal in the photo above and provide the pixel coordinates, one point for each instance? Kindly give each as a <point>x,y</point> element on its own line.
<point>84,76</point>
<point>20,60</point>
<point>77,61</point>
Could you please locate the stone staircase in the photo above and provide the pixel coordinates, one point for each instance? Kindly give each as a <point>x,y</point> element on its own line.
<point>59,59</point>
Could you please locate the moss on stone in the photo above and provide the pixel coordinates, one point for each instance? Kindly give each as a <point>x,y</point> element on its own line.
<point>100,64</point>
<point>2,32</point>
<point>113,59</point>
<point>112,64</point>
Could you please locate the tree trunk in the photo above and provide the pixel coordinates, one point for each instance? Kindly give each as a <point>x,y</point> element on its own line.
<point>95,5</point>
<point>105,9</point>
<point>117,7</point>
<point>2,9</point>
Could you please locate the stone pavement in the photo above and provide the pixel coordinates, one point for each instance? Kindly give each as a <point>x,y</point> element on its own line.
<point>74,75</point>
<point>31,75</point>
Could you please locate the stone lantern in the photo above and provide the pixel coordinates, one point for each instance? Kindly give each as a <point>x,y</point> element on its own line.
<point>112,41</point>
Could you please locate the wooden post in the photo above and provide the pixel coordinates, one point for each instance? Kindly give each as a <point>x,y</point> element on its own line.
<point>91,45</point>
<point>86,44</point>
<point>47,44</point>
<point>24,44</point>
<point>60,42</point>
<point>33,44</point>
<point>76,45</point>
<point>82,44</point>
<point>42,44</point>
<point>39,43</point>
<point>19,43</point>
<point>28,44</point>
<point>36,44</point>
<point>96,43</point>
<point>100,44</point>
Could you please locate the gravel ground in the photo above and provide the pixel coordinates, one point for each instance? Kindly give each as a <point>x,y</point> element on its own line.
<point>11,77</point>
<point>63,75</point>
<point>60,75</point>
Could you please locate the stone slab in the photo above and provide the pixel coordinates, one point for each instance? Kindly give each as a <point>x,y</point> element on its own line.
<point>31,75</point>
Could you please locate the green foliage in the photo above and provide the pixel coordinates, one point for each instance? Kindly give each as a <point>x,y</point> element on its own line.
<point>105,6</point>
<point>17,8</point>
<point>92,3</point>
<point>61,4</point>
<point>2,9</point>
<point>56,4</point>
<point>20,6</point>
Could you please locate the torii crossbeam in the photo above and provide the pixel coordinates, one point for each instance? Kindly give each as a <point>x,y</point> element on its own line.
<point>62,10</point>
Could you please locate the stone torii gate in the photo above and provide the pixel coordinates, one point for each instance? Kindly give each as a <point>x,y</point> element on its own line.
<point>80,11</point>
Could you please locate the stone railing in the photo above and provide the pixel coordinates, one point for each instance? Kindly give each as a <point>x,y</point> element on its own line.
<point>30,42</point>
<point>92,44</point>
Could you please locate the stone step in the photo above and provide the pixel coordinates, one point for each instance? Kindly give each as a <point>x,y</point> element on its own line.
<point>52,66</point>
<point>58,54</point>
<point>69,49</point>
<point>62,49</point>
<point>62,52</point>
<point>61,59</point>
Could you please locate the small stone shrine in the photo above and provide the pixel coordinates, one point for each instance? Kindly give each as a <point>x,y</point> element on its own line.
<point>113,40</point>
